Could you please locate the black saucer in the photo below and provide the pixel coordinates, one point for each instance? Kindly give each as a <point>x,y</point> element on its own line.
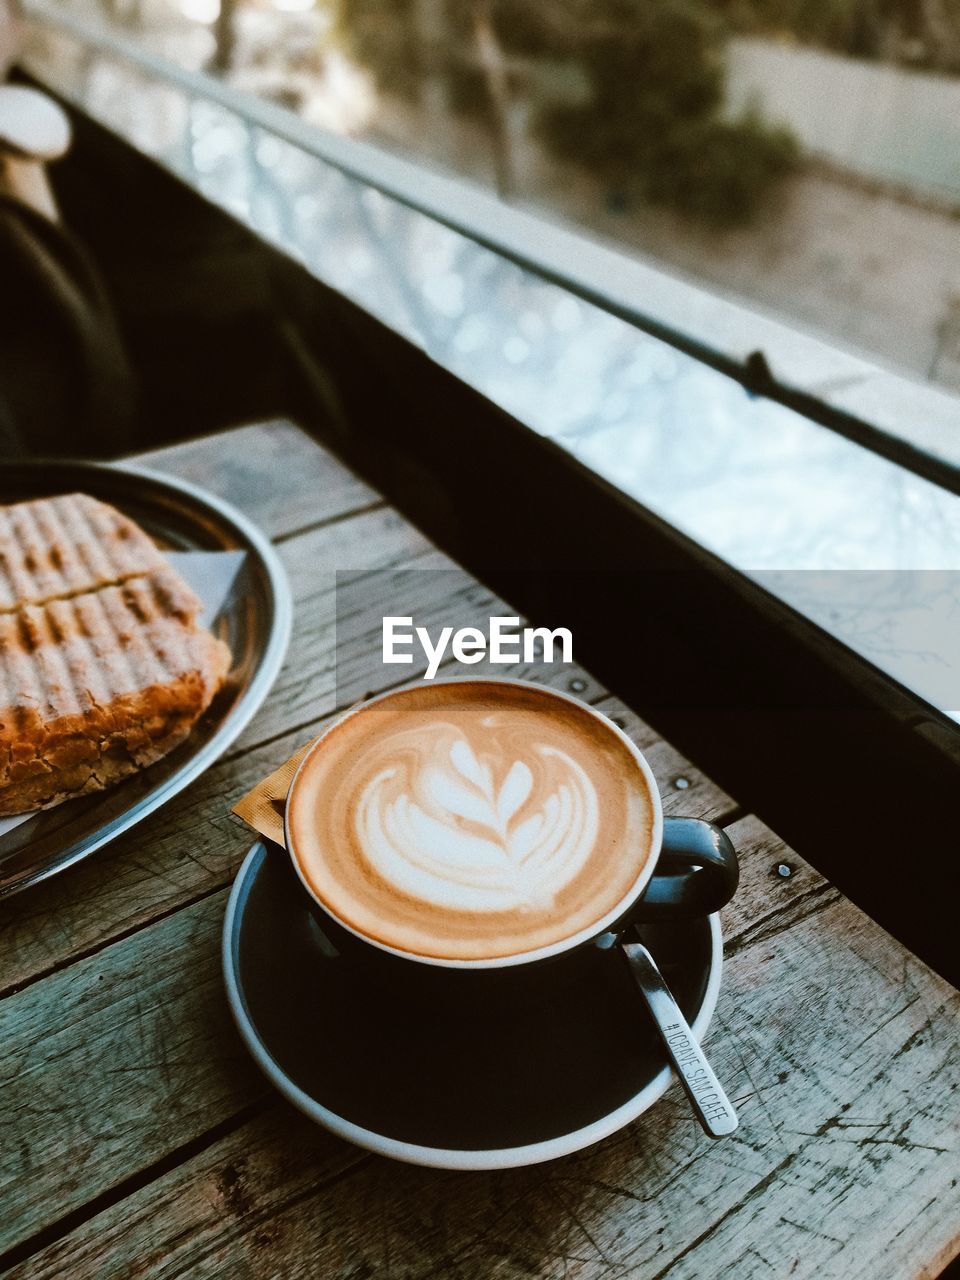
<point>472,1070</point>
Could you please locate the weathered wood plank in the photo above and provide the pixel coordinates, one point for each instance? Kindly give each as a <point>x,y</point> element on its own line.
<point>178,1226</point>
<point>434,598</point>
<point>190,848</point>
<point>696,795</point>
<point>841,1050</point>
<point>100,1010</point>
<point>332,662</point>
<point>435,591</point>
<point>306,685</point>
<point>274,472</point>
<point>106,1064</point>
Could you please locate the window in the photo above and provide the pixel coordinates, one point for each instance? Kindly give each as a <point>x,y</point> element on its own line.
<point>799,157</point>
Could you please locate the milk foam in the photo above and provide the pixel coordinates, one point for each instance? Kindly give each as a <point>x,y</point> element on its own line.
<point>463,827</point>
<point>471,819</point>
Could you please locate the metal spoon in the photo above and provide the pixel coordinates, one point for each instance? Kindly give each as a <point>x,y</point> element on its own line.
<point>710,1104</point>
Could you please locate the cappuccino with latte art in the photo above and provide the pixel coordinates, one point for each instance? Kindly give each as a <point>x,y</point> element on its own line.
<point>471,820</point>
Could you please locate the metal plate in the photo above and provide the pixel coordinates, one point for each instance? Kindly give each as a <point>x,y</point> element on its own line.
<point>255,622</point>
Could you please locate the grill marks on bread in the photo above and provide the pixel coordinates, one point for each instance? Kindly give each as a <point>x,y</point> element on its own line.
<point>51,548</point>
<point>69,654</point>
<point>104,677</point>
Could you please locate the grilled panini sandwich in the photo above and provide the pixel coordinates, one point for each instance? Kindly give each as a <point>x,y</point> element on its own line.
<point>56,547</point>
<point>103,667</point>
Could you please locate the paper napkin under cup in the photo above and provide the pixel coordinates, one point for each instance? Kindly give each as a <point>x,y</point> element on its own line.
<point>263,807</point>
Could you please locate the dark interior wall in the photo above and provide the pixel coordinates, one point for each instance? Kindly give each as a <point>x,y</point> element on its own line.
<point>221,329</point>
<point>194,293</point>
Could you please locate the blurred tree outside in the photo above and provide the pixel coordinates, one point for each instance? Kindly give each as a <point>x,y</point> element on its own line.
<point>918,33</point>
<point>632,90</point>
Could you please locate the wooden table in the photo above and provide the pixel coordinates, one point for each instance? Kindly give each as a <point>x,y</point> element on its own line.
<point>139,1139</point>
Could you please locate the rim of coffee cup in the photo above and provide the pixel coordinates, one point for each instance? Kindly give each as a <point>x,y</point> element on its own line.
<point>599,926</point>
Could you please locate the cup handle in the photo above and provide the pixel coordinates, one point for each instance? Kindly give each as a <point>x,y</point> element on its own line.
<point>697,872</point>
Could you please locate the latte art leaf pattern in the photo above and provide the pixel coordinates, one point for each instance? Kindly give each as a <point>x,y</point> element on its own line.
<point>471,820</point>
<point>467,830</point>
